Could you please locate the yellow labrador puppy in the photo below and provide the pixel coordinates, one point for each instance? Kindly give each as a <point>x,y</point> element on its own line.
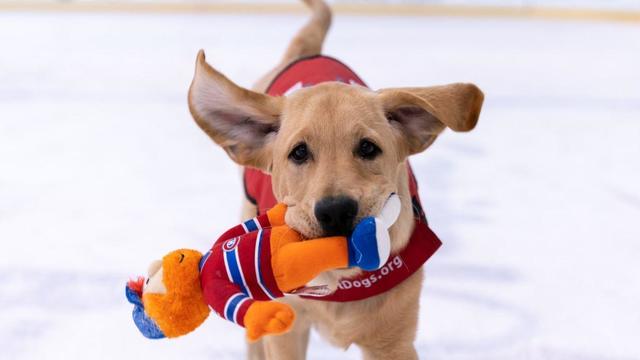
<point>334,151</point>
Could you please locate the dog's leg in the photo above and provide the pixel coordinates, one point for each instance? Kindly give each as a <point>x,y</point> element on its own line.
<point>397,351</point>
<point>307,42</point>
<point>398,324</point>
<point>255,351</point>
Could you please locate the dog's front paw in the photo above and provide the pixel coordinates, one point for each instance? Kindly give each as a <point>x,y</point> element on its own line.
<point>268,318</point>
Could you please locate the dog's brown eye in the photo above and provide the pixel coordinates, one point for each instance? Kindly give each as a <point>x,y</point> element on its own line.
<point>299,154</point>
<point>368,150</point>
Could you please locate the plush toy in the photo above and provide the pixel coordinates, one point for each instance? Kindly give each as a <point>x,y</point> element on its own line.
<point>248,266</point>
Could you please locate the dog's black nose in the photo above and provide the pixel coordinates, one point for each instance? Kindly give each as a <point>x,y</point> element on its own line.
<point>336,215</point>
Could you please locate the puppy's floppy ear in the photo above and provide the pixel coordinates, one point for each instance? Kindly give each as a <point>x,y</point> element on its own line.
<point>423,113</point>
<point>243,122</point>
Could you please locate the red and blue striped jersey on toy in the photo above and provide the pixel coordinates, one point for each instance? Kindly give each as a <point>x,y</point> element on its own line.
<point>237,270</point>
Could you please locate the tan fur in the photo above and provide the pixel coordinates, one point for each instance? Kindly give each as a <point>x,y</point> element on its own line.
<point>259,130</point>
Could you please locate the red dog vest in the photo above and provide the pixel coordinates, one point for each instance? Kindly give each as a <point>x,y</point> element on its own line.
<point>423,243</point>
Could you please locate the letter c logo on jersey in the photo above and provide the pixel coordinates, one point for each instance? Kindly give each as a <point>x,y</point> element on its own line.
<point>231,244</point>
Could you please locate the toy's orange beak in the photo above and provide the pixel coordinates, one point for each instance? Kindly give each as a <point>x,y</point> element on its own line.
<point>154,267</point>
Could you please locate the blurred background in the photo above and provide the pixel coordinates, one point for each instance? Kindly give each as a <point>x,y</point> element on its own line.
<point>103,170</point>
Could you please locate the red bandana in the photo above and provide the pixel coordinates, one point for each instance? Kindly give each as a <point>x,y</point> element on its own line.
<point>423,242</point>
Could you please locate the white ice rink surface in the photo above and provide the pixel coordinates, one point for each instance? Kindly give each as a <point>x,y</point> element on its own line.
<point>103,170</point>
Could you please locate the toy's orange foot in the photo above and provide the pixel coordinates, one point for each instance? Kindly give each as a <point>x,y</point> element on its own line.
<point>268,318</point>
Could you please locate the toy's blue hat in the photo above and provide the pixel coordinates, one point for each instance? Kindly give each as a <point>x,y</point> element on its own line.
<point>145,324</point>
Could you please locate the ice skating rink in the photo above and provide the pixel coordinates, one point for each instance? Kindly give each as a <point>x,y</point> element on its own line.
<point>102,170</point>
